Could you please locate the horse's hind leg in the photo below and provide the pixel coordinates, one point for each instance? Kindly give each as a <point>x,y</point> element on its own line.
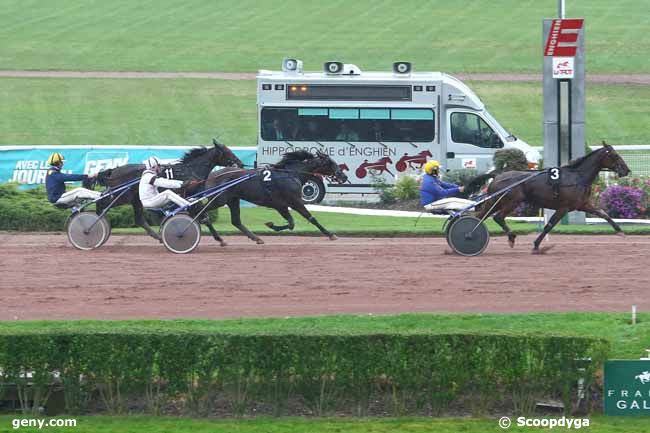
<point>284,211</point>
<point>302,210</point>
<point>557,216</point>
<point>138,214</point>
<point>500,218</point>
<point>235,219</point>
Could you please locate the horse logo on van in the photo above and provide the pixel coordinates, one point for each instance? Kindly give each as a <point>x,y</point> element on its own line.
<point>419,160</point>
<point>375,168</point>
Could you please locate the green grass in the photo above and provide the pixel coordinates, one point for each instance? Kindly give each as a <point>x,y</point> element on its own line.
<point>104,111</point>
<point>209,35</point>
<point>138,424</point>
<point>628,341</point>
<point>365,225</point>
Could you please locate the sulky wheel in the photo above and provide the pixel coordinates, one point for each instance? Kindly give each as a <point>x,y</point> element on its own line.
<point>87,231</point>
<point>468,236</point>
<point>180,233</point>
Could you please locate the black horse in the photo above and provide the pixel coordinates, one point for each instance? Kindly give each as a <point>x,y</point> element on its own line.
<point>195,165</point>
<point>278,186</point>
<point>570,191</point>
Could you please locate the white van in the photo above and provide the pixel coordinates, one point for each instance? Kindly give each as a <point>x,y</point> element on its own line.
<point>375,123</point>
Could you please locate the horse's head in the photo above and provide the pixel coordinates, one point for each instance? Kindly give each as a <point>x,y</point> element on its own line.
<point>224,156</point>
<point>612,160</point>
<point>326,166</point>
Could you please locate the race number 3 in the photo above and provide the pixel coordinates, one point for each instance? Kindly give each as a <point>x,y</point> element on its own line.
<point>554,174</point>
<point>266,176</point>
<point>169,173</point>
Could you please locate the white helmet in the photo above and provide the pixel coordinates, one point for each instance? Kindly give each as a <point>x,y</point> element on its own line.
<point>151,163</point>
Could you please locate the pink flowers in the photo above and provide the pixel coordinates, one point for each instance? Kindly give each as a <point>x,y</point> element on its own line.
<point>623,202</point>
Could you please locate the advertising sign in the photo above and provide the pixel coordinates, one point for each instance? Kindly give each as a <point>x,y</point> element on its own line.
<point>627,388</point>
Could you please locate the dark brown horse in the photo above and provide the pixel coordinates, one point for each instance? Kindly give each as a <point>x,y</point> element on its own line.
<point>196,164</point>
<point>278,186</point>
<point>564,189</point>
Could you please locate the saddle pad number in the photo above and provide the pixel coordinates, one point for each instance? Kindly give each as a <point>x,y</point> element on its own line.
<point>266,176</point>
<point>554,175</point>
<point>169,173</point>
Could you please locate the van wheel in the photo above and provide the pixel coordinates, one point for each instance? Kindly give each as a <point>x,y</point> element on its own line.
<point>313,191</point>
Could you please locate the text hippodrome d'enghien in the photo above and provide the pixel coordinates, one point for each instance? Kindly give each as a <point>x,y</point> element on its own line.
<point>365,151</point>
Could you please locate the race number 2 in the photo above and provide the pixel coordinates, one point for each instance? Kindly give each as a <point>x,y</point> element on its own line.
<point>266,176</point>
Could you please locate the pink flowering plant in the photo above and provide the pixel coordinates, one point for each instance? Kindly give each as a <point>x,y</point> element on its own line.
<point>624,202</point>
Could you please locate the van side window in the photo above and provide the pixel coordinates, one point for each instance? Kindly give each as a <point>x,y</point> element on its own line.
<point>347,124</point>
<point>471,129</point>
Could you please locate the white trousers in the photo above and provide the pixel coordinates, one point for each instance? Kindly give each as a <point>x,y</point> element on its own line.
<point>448,204</point>
<point>76,195</point>
<point>163,198</point>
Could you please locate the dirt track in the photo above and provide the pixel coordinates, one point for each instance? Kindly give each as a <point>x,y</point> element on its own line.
<point>135,277</point>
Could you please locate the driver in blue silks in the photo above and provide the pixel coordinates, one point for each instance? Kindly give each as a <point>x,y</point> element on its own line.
<point>433,188</point>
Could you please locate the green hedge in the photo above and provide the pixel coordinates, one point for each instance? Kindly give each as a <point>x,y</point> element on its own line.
<point>275,374</point>
<point>29,210</point>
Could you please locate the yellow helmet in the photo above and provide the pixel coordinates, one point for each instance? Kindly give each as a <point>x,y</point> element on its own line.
<point>431,166</point>
<point>55,159</point>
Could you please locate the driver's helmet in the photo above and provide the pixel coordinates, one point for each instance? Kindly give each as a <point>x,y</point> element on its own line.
<point>432,166</point>
<point>55,159</point>
<point>152,163</point>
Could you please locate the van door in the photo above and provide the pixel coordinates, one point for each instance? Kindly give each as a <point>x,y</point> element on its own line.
<point>471,140</point>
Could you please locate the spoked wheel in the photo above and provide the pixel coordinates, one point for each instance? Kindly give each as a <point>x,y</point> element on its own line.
<point>468,236</point>
<point>180,234</point>
<point>87,231</point>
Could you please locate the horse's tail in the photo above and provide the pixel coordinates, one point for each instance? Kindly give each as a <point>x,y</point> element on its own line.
<point>475,184</point>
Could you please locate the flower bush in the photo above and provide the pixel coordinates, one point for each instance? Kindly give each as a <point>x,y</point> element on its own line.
<point>623,201</point>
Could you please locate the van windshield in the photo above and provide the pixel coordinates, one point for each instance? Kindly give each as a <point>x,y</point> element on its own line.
<point>500,129</point>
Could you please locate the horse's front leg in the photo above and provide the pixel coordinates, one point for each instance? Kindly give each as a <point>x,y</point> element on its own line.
<point>235,219</point>
<point>138,213</point>
<point>557,216</point>
<point>302,210</point>
<point>589,208</point>
<point>284,211</point>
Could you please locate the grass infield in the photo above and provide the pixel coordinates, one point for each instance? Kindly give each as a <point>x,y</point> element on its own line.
<point>190,112</point>
<point>247,35</point>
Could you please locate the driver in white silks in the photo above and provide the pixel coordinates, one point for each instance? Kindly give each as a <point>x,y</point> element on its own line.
<point>439,196</point>
<point>150,182</point>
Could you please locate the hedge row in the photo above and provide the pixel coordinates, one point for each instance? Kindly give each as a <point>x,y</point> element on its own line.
<point>276,374</point>
<point>29,210</point>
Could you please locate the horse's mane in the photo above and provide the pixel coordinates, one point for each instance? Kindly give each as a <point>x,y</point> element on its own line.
<point>578,161</point>
<point>296,155</point>
<point>193,153</point>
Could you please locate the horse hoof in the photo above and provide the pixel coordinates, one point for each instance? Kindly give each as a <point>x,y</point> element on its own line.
<point>511,243</point>
<point>620,234</point>
<point>543,250</point>
<point>333,238</point>
<point>259,242</point>
<point>223,244</point>
<point>269,225</point>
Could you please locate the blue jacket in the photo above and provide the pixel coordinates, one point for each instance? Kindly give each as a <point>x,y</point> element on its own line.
<point>55,183</point>
<point>433,189</point>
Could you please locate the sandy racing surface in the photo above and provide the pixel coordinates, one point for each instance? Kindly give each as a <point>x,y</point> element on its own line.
<point>134,277</point>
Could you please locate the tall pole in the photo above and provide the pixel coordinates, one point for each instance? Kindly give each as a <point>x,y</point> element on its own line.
<point>560,8</point>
